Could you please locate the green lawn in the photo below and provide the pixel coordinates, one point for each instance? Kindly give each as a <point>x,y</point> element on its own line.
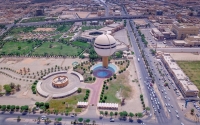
<point>81,44</point>
<point>63,28</point>
<point>68,103</point>
<point>17,48</point>
<point>34,19</point>
<point>57,36</point>
<point>115,85</point>
<point>17,30</point>
<point>56,48</point>
<point>192,70</point>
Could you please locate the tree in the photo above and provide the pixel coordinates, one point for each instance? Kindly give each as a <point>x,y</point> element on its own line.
<point>59,119</point>
<point>3,107</point>
<point>18,118</point>
<point>18,87</point>
<point>101,112</point>
<point>139,115</point>
<point>106,112</point>
<point>8,107</point>
<point>37,104</point>
<point>125,113</point>
<point>116,113</point>
<point>93,122</point>
<point>121,114</point>
<point>192,111</point>
<point>166,84</point>
<point>41,104</point>
<point>12,85</point>
<point>7,88</point>
<point>46,105</point>
<point>12,107</point>
<point>131,114</point>
<point>153,52</point>
<point>19,47</point>
<point>80,119</point>
<point>38,119</point>
<point>147,108</point>
<point>79,90</point>
<point>111,114</point>
<point>87,120</point>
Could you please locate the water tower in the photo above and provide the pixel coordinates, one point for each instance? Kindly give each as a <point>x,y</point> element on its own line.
<point>105,46</point>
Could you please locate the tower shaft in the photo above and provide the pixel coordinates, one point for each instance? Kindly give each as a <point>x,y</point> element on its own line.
<point>105,61</point>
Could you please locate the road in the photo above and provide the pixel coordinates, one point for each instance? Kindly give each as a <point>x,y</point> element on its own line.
<point>161,117</point>
<point>104,121</point>
<point>169,93</point>
<point>80,20</point>
<point>106,7</point>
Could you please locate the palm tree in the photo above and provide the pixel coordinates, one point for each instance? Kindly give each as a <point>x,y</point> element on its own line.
<point>18,87</point>
<point>38,119</point>
<point>192,111</point>
<point>18,118</point>
<point>93,122</point>
<point>111,114</point>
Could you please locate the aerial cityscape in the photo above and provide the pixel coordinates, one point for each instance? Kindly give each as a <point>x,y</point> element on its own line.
<point>99,62</point>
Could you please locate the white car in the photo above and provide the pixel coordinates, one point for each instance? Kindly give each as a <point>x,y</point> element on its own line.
<point>176,111</point>
<point>165,97</point>
<point>112,120</point>
<point>169,111</point>
<point>169,98</point>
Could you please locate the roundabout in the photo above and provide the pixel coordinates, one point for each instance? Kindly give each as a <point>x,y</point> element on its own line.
<point>58,84</point>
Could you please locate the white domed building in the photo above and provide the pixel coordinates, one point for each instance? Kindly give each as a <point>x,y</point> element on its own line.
<point>105,46</point>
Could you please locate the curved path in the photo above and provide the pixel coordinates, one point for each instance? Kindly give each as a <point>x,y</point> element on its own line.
<point>95,91</point>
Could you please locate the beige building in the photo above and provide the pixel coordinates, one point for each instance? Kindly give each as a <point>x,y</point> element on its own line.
<point>187,88</point>
<point>157,34</point>
<point>182,30</point>
<point>91,35</point>
<point>189,41</point>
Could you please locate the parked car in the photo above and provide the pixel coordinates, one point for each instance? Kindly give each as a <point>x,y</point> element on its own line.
<point>112,120</point>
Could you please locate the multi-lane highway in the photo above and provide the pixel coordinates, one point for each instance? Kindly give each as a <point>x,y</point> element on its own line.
<point>84,19</point>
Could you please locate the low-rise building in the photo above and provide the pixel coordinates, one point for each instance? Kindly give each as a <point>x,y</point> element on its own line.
<point>187,88</point>
<point>182,30</point>
<point>157,34</point>
<point>189,41</point>
<point>90,35</point>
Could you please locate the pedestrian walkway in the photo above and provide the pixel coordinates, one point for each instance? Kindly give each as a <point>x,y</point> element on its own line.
<point>95,90</point>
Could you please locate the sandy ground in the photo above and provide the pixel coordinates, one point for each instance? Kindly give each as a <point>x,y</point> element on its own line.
<point>185,56</point>
<point>139,21</point>
<point>133,13</point>
<point>121,35</point>
<point>130,104</point>
<point>82,14</point>
<point>25,96</point>
<point>92,15</point>
<point>36,64</point>
<point>45,29</point>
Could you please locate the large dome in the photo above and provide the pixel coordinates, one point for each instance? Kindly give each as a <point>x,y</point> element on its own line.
<point>105,45</point>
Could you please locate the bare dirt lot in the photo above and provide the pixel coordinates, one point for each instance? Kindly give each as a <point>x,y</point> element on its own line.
<point>44,29</point>
<point>185,56</point>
